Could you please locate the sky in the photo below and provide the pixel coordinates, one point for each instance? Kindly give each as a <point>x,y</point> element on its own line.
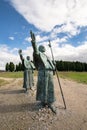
<point>63,22</point>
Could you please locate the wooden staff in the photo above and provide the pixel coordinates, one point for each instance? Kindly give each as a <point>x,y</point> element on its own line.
<point>57,77</point>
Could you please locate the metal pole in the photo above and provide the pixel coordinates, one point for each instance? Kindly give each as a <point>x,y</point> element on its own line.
<point>58,77</point>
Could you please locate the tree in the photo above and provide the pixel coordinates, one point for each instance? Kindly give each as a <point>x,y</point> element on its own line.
<point>16,68</point>
<point>11,66</point>
<point>20,66</point>
<point>61,66</point>
<point>7,67</point>
<point>78,66</point>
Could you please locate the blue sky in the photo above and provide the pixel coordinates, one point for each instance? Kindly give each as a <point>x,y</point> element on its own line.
<point>64,22</point>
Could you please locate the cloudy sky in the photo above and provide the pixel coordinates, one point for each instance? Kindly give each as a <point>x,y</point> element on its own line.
<point>63,22</point>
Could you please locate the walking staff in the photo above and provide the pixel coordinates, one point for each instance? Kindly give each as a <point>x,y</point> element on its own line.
<point>57,76</point>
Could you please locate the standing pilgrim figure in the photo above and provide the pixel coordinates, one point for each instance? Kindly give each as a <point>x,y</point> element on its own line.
<point>28,68</point>
<point>45,67</point>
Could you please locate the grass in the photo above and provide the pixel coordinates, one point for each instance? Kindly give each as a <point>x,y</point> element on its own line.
<point>14,74</point>
<point>76,76</point>
<point>11,74</point>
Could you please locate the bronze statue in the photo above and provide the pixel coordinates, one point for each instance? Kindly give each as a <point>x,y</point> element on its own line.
<point>28,67</point>
<point>45,67</point>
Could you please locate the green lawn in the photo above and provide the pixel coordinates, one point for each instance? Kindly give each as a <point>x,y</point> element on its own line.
<point>11,74</point>
<point>77,76</point>
<point>14,74</point>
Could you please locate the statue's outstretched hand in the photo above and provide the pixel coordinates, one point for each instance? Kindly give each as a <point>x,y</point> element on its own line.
<point>20,51</point>
<point>32,37</point>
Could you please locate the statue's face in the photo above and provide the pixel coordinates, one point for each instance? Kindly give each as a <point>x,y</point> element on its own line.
<point>42,48</point>
<point>28,57</point>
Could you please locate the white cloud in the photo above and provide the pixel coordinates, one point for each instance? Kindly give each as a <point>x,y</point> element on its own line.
<point>28,39</point>
<point>11,55</point>
<point>70,53</point>
<point>46,14</point>
<point>69,28</point>
<point>38,38</point>
<point>67,52</point>
<point>7,56</point>
<point>11,38</point>
<point>64,52</point>
<point>28,52</point>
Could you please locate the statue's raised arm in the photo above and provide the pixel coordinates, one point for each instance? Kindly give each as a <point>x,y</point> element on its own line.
<point>32,36</point>
<point>33,41</point>
<point>20,53</point>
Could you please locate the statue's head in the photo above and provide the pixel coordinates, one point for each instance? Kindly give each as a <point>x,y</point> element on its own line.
<point>28,57</point>
<point>42,48</point>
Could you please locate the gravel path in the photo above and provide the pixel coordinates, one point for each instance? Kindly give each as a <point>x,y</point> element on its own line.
<point>20,111</point>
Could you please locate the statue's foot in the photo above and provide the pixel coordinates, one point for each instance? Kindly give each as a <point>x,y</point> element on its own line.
<point>43,104</point>
<point>53,108</point>
<point>33,89</point>
<point>25,90</point>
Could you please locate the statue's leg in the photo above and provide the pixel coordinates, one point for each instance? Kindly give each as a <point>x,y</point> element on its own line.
<point>51,96</point>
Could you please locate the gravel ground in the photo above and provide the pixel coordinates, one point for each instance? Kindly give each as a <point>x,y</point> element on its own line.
<point>20,111</point>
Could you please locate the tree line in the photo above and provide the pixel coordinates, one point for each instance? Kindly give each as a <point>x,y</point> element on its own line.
<point>60,65</point>
<point>71,66</point>
<point>12,67</point>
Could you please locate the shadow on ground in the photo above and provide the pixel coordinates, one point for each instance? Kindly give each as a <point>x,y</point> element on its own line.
<point>11,91</point>
<point>19,107</point>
